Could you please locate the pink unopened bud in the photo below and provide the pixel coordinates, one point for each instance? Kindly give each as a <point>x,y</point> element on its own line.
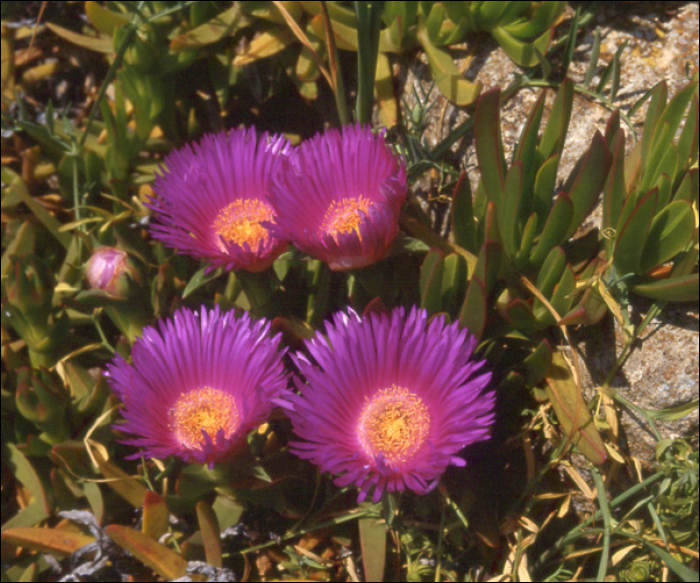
<point>110,270</point>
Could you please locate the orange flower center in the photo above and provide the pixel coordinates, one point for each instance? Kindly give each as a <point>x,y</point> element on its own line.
<point>394,424</point>
<point>205,408</point>
<point>344,216</point>
<point>239,223</point>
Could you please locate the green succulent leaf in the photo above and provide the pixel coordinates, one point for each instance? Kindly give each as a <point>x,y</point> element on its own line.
<point>675,289</point>
<point>670,232</point>
<point>520,315</point>
<point>537,365</point>
<point>447,77</point>
<point>474,309</point>
<point>614,192</point>
<point>633,234</point>
<point>545,15</point>
<point>664,132</point>
<point>545,182</point>
<point>464,225</point>
<point>373,535</point>
<point>522,53</point>
<point>587,180</point>
<point>104,20</point>
<point>555,229</point>
<point>510,209</point>
<point>453,281</point>
<point>551,271</point>
<point>431,274</point>
<point>489,148</point>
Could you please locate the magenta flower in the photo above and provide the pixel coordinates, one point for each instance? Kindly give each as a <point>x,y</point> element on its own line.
<point>339,201</point>
<point>213,197</point>
<point>199,383</point>
<point>390,400</point>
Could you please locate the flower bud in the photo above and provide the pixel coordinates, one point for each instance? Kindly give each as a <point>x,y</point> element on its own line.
<point>110,270</point>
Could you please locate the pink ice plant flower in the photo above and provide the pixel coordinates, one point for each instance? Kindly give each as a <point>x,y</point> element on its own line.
<point>198,384</point>
<point>340,199</point>
<point>389,400</point>
<point>212,198</point>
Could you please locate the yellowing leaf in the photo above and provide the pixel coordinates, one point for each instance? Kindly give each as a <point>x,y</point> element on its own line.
<point>99,44</point>
<point>572,412</point>
<point>264,45</point>
<point>46,540</point>
<point>162,560</point>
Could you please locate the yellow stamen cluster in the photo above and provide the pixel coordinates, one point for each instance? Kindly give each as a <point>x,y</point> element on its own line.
<point>344,216</point>
<point>205,408</point>
<point>394,424</point>
<point>239,223</point>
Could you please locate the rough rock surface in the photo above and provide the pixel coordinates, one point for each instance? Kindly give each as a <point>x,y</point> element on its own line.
<point>662,38</point>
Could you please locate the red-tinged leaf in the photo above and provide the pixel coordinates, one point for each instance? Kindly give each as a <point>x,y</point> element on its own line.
<point>588,312</point>
<point>121,482</point>
<point>555,229</point>
<point>474,309</point>
<point>25,473</point>
<point>554,134</point>
<point>572,412</point>
<point>676,289</point>
<point>373,544</point>
<point>463,223</point>
<point>376,306</point>
<point>632,236</point>
<point>155,515</point>
<point>46,540</point>
<point>587,180</point>
<point>211,534</point>
<point>491,231</point>
<point>488,264</point>
<point>431,281</point>
<point>489,148</point>
<point>612,128</point>
<point>72,456</point>
<point>670,232</point>
<point>162,560</point>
